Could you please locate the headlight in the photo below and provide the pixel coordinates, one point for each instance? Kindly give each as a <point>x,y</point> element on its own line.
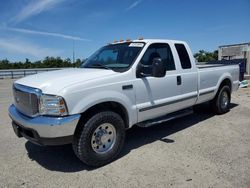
<point>52,105</point>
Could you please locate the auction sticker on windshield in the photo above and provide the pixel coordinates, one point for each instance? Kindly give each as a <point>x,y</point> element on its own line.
<point>136,44</point>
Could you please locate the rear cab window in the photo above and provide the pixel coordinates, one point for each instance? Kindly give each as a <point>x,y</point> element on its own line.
<point>183,56</point>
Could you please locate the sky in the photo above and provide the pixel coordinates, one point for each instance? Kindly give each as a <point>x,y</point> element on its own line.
<point>35,29</point>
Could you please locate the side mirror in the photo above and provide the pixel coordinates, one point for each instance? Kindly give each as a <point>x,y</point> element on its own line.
<point>158,68</point>
<point>139,71</point>
<point>143,70</point>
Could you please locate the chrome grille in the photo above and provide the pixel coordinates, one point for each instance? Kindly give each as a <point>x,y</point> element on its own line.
<point>26,99</point>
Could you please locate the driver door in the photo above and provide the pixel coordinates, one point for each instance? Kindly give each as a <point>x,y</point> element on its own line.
<point>155,96</point>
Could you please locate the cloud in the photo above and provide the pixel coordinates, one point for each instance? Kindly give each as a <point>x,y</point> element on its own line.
<point>20,47</point>
<point>60,35</point>
<point>219,27</point>
<point>133,5</point>
<point>34,8</point>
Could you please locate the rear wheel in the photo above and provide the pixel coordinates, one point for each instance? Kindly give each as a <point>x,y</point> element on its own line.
<point>220,104</point>
<point>100,139</point>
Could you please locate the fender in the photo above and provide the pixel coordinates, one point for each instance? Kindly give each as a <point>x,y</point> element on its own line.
<point>221,79</point>
<point>107,96</point>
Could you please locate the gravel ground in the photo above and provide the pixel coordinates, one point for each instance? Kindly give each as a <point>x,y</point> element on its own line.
<point>199,150</point>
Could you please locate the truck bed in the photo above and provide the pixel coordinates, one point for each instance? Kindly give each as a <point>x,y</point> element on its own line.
<point>240,62</point>
<point>210,75</point>
<point>207,65</point>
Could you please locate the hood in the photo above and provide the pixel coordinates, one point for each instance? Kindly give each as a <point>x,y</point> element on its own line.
<point>54,81</point>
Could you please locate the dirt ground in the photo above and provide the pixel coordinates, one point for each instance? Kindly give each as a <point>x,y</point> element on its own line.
<point>199,150</point>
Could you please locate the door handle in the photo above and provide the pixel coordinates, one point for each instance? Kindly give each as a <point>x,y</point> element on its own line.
<point>178,80</point>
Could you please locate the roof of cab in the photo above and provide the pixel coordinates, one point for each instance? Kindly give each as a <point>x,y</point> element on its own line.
<point>157,40</point>
<point>150,41</point>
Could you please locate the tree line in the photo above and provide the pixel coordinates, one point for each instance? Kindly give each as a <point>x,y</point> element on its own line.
<point>204,56</point>
<point>48,62</point>
<point>55,62</point>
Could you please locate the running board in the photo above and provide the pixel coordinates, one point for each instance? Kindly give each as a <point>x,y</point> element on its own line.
<point>166,118</point>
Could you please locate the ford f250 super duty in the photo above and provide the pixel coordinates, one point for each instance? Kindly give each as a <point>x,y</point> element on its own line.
<point>138,82</point>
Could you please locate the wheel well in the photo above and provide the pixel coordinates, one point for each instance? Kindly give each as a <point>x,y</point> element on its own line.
<point>112,106</point>
<point>226,82</point>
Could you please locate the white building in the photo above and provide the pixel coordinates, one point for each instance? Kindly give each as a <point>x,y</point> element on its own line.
<point>236,51</point>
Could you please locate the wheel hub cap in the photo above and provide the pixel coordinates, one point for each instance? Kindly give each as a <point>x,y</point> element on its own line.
<point>103,138</point>
<point>224,100</point>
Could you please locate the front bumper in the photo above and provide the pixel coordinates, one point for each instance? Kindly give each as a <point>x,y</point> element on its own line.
<point>44,130</point>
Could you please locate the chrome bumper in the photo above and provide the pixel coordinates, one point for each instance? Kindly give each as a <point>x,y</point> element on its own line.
<point>46,127</point>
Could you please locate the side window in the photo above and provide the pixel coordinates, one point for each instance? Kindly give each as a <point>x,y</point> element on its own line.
<point>183,55</point>
<point>161,50</point>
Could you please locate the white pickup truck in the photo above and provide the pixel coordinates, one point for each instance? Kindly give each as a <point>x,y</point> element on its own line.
<point>139,82</point>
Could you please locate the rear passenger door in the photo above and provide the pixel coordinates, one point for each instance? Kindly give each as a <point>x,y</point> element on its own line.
<point>188,77</point>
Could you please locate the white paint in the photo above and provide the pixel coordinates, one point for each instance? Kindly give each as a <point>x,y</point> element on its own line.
<point>83,88</point>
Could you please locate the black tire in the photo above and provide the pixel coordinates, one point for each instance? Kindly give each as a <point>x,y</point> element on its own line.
<point>220,104</point>
<point>82,142</point>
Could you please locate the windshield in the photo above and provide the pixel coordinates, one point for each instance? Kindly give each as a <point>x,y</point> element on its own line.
<point>117,57</point>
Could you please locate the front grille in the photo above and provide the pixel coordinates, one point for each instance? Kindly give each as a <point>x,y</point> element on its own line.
<point>26,99</point>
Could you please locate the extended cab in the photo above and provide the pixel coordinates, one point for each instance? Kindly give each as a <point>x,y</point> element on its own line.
<point>139,82</point>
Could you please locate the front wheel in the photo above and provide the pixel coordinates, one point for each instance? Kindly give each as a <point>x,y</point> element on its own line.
<point>220,104</point>
<point>100,139</point>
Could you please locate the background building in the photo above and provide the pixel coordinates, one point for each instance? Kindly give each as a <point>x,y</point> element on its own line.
<point>236,51</point>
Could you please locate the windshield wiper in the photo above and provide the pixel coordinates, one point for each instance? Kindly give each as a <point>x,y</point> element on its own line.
<point>99,65</point>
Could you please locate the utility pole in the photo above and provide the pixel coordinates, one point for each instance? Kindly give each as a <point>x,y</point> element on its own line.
<point>73,51</point>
